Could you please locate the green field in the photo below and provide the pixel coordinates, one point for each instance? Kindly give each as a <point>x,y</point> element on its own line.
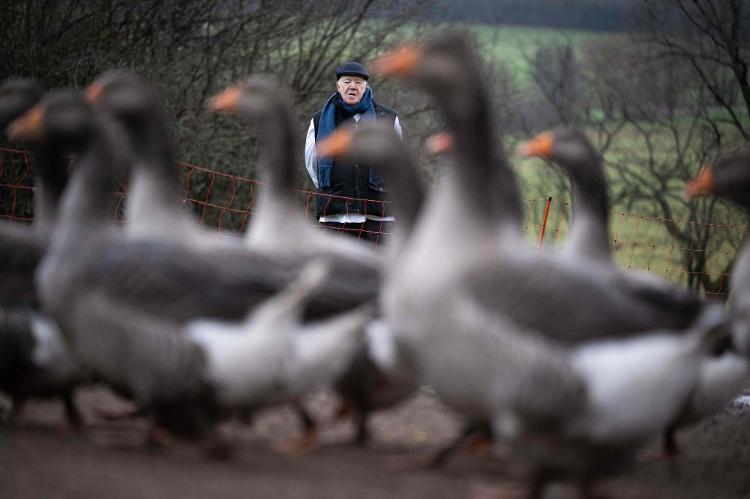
<point>514,45</point>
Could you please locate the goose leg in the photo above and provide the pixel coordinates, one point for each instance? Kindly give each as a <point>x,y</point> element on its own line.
<point>72,414</point>
<point>18,404</point>
<point>539,481</point>
<point>309,438</point>
<point>670,448</point>
<point>363,432</point>
<point>474,431</point>
<point>216,445</point>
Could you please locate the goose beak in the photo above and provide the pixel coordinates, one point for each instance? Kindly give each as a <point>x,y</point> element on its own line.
<point>439,143</point>
<point>27,127</point>
<point>336,144</point>
<point>93,93</point>
<point>226,102</point>
<point>541,145</point>
<point>399,62</point>
<point>702,184</point>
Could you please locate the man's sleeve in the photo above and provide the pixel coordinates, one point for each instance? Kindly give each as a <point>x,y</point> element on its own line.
<point>311,158</point>
<point>397,127</point>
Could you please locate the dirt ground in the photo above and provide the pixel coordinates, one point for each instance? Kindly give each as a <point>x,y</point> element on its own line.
<point>39,458</point>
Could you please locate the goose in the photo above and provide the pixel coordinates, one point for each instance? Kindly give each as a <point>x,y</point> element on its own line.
<point>547,399</point>
<point>279,226</point>
<point>153,207</point>
<point>377,145</point>
<point>728,178</point>
<point>723,376</point>
<point>34,360</point>
<point>484,246</point>
<point>482,265</point>
<point>186,372</point>
<point>588,241</point>
<point>156,213</point>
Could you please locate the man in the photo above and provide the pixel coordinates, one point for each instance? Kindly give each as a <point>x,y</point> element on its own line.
<point>348,191</point>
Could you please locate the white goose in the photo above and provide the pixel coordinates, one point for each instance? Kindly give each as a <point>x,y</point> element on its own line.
<point>477,310</point>
<point>722,376</point>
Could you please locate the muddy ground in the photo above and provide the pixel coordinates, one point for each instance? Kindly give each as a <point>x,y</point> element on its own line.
<point>40,458</point>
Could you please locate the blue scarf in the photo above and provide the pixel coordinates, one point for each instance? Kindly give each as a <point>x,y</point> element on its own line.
<point>365,106</point>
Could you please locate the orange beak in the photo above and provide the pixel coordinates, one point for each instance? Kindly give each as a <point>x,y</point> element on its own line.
<point>227,101</point>
<point>701,185</point>
<point>439,143</point>
<point>399,62</point>
<point>93,93</point>
<point>27,127</point>
<point>541,145</point>
<point>336,144</point>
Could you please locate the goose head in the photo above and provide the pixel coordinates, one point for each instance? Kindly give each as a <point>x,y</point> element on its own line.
<point>17,95</point>
<point>729,177</point>
<point>61,119</point>
<point>376,144</point>
<point>133,102</point>
<point>567,147</point>
<point>128,96</point>
<point>255,99</point>
<point>264,101</point>
<point>447,68</point>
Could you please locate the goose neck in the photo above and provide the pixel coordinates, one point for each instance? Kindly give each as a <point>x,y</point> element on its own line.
<point>589,232</point>
<point>89,199</point>
<point>278,154</point>
<point>51,176</point>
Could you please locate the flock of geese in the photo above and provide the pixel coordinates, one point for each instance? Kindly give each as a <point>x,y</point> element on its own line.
<point>562,356</point>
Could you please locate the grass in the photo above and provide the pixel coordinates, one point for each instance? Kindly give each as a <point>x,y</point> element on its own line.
<point>515,45</point>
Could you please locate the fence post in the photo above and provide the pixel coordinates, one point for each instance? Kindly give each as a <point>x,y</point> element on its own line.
<point>544,221</point>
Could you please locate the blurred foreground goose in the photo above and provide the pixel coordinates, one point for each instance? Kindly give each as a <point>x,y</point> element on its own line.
<point>722,376</point>
<point>729,178</point>
<point>154,207</point>
<point>466,262</point>
<point>155,214</point>
<point>187,373</point>
<point>468,232</point>
<point>564,408</point>
<point>34,360</point>
<point>279,226</point>
<point>588,240</point>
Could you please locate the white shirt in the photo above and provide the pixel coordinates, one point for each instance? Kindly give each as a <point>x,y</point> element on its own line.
<point>311,163</point>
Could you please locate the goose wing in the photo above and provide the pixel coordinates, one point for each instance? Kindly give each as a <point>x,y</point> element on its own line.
<point>166,279</point>
<point>144,356</point>
<point>564,303</point>
<point>488,363</point>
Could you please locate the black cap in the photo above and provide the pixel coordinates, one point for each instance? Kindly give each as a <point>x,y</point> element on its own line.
<point>352,68</point>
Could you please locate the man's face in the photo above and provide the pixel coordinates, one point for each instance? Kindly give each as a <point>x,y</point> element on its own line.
<point>351,88</point>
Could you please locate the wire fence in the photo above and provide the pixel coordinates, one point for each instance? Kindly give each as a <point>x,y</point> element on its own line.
<point>226,203</point>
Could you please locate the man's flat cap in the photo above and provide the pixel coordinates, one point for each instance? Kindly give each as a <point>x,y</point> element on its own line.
<point>353,69</point>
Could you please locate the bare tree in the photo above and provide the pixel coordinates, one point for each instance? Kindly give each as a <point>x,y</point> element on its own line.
<point>191,49</point>
<point>711,38</point>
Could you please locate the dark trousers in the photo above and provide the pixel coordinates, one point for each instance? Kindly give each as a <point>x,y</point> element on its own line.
<point>371,230</point>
